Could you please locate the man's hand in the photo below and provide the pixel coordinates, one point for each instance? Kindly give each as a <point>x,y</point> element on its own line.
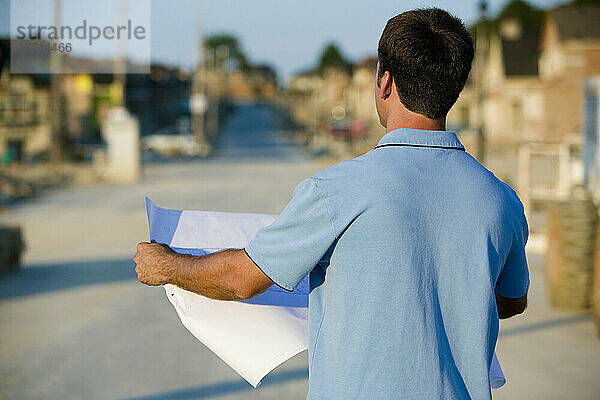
<point>154,263</point>
<point>508,307</point>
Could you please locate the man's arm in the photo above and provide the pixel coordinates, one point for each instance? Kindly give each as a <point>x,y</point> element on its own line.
<point>508,307</point>
<point>512,285</point>
<point>225,275</point>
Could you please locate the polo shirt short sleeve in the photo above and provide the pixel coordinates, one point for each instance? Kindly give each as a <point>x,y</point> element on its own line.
<point>513,280</point>
<point>288,249</point>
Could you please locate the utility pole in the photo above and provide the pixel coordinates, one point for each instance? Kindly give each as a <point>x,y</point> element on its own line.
<point>120,66</point>
<point>57,145</point>
<point>482,49</point>
<point>198,98</point>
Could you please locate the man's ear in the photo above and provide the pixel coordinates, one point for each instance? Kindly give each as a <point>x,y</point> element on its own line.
<point>385,85</point>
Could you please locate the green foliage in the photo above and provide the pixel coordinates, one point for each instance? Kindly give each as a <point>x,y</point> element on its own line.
<point>530,17</point>
<point>214,42</point>
<point>331,56</point>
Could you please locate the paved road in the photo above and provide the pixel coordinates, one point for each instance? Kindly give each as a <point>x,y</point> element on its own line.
<point>75,324</point>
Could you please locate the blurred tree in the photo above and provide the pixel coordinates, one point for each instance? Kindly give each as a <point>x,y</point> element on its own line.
<point>331,56</point>
<point>215,44</point>
<point>529,16</point>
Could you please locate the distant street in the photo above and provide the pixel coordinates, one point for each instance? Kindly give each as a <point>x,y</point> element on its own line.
<point>76,324</point>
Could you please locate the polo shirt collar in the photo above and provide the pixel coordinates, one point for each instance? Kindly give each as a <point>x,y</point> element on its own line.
<point>421,138</point>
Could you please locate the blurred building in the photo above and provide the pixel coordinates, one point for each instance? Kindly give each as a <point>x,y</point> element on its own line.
<point>253,82</point>
<point>304,90</point>
<point>337,104</point>
<point>362,99</point>
<point>159,100</point>
<point>530,87</point>
<point>25,126</point>
<point>570,52</point>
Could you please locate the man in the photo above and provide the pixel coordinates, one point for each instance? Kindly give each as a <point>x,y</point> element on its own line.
<point>414,249</point>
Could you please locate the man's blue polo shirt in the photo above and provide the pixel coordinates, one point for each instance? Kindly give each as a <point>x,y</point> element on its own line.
<point>405,246</point>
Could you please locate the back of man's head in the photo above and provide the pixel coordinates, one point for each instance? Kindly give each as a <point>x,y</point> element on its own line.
<point>428,53</point>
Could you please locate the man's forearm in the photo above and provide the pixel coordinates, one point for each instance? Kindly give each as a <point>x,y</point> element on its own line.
<point>226,275</point>
<point>214,275</point>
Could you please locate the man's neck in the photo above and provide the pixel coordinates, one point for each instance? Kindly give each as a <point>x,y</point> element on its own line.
<point>415,121</point>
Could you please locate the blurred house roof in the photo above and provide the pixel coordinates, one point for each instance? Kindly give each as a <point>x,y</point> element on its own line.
<point>577,22</point>
<point>346,68</point>
<point>520,56</point>
<point>368,62</point>
<point>265,71</point>
<point>310,72</point>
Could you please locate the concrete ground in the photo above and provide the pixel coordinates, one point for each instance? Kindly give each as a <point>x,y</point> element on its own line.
<point>76,324</point>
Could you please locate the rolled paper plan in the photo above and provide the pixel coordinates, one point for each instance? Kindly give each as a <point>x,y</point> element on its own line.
<point>253,336</point>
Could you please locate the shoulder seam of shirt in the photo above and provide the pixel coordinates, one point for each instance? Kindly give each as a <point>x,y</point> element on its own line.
<point>314,180</point>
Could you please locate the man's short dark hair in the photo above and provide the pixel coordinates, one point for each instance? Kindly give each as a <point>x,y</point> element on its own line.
<point>428,53</point>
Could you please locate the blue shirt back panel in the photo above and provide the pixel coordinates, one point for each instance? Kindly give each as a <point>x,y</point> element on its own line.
<point>405,246</point>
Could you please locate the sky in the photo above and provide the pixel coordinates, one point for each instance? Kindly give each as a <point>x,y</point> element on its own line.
<point>286,34</point>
